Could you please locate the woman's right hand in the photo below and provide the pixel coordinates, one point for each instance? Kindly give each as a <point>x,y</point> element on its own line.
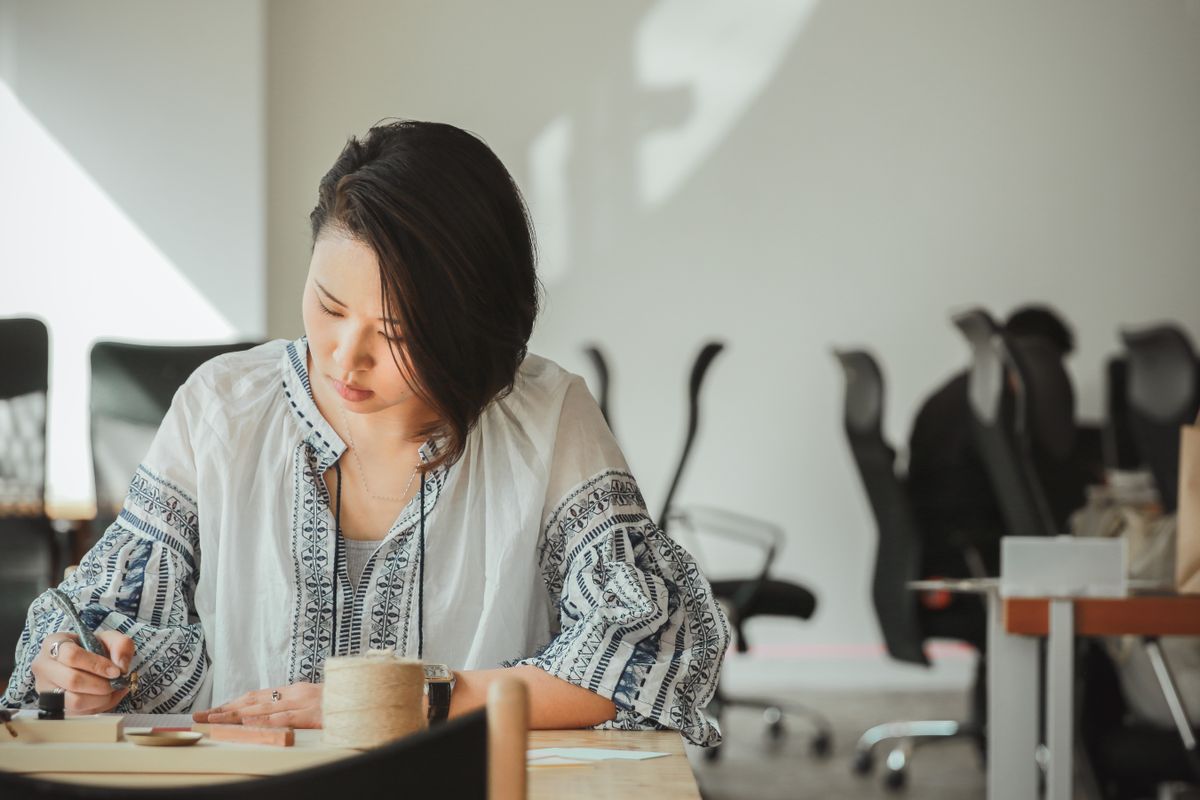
<point>82,676</point>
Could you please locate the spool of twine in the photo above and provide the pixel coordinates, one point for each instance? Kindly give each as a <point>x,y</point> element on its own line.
<point>371,699</point>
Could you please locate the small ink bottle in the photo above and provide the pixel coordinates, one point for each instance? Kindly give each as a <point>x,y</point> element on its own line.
<point>50,705</point>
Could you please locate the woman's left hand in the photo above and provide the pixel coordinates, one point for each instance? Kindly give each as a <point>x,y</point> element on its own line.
<point>295,706</point>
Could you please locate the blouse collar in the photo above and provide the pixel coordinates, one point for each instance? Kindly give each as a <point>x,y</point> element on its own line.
<point>320,435</point>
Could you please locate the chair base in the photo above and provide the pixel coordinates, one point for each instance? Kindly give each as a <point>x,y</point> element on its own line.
<point>774,714</point>
<point>907,735</point>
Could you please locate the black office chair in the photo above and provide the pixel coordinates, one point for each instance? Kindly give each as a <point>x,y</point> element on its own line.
<point>1001,426</point>
<point>699,370</point>
<point>905,626</point>
<point>132,388</point>
<point>31,551</point>
<point>1119,444</point>
<point>1055,439</point>
<point>1163,394</point>
<point>748,597</point>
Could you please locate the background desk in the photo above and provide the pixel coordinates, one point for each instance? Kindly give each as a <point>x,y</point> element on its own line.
<point>667,778</point>
<point>1014,626</point>
<point>1140,615</point>
<point>1060,620</point>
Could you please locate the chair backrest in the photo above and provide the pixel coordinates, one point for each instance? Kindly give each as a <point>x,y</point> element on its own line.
<point>695,382</point>
<point>596,356</point>
<point>478,755</point>
<point>998,400</point>
<point>1163,391</point>
<point>1119,443</point>
<point>23,385</point>
<point>26,540</point>
<point>131,389</point>
<point>898,554</point>
<point>1049,397</point>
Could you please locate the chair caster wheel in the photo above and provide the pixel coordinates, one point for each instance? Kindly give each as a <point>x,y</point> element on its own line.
<point>822,745</point>
<point>712,754</point>
<point>895,779</point>
<point>862,763</point>
<point>775,730</point>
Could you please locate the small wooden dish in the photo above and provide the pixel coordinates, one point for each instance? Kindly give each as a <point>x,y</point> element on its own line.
<point>165,739</point>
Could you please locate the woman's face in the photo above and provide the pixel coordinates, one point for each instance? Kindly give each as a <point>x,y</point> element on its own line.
<point>350,346</point>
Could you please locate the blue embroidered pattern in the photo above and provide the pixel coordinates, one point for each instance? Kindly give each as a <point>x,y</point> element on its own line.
<point>164,512</point>
<point>630,601</point>
<point>312,546</point>
<point>157,531</point>
<point>381,608</point>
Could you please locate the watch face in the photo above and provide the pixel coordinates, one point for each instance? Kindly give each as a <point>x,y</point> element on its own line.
<point>437,672</point>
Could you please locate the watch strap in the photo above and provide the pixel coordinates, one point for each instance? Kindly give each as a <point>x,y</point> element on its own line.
<point>439,701</point>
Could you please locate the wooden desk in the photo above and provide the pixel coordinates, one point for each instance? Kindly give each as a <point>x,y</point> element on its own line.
<point>666,778</point>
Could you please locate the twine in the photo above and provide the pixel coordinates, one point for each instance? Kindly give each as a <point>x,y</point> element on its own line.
<point>371,699</point>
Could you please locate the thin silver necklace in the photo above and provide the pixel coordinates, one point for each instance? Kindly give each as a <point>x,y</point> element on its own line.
<point>362,474</point>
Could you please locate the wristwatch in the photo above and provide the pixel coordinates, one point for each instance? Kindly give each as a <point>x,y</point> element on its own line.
<point>439,683</point>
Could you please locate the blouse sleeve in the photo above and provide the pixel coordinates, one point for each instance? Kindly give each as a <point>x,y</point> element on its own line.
<point>637,621</point>
<point>139,580</point>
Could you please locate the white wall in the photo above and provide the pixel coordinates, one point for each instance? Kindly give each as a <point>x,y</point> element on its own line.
<point>785,177</point>
<point>131,154</point>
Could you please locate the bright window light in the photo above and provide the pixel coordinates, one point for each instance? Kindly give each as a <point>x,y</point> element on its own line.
<point>70,255</point>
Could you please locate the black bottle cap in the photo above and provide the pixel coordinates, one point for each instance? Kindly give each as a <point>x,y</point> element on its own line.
<point>51,705</point>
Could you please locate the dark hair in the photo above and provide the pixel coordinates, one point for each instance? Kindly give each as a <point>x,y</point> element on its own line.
<point>1042,322</point>
<point>456,257</point>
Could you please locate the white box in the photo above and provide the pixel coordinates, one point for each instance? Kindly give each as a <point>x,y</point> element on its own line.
<point>1063,566</point>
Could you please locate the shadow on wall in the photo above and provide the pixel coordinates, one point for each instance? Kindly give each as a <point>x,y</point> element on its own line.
<point>640,132</point>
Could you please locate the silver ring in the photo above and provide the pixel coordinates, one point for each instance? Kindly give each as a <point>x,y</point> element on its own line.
<point>276,696</point>
<point>54,649</point>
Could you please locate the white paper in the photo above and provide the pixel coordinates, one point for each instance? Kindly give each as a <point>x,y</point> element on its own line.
<point>589,754</point>
<point>559,761</point>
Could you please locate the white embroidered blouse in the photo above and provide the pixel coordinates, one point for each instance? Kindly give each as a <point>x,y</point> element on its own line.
<point>225,568</point>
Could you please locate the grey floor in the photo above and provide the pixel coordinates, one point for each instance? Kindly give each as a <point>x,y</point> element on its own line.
<point>752,766</point>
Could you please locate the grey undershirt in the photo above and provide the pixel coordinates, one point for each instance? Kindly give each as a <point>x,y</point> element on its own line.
<point>358,553</point>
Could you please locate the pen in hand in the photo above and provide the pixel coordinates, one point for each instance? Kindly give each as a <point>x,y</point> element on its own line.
<point>87,638</point>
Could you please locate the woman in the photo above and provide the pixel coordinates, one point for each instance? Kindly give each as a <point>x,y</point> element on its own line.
<point>405,477</point>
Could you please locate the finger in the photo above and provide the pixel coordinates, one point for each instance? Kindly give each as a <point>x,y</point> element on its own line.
<point>262,709</point>
<point>120,648</point>
<point>57,637</point>
<point>75,680</point>
<point>74,656</point>
<point>278,719</point>
<point>90,704</point>
<point>223,718</point>
<point>248,699</point>
<point>205,715</point>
